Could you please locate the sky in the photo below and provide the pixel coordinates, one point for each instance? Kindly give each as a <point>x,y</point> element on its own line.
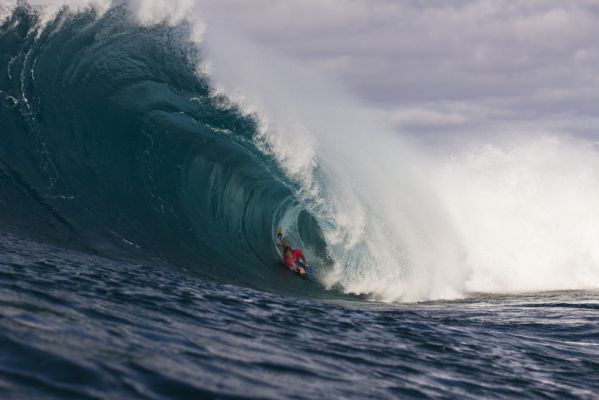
<point>433,68</point>
<point>438,67</point>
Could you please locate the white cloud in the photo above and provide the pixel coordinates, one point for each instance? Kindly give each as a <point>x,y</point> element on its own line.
<point>531,61</point>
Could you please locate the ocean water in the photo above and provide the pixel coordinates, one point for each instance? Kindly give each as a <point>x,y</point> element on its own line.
<point>75,325</point>
<point>139,195</point>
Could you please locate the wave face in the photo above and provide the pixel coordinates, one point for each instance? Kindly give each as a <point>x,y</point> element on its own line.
<point>112,142</point>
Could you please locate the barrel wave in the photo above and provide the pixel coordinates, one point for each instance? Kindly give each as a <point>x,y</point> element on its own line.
<point>129,130</point>
<point>113,142</point>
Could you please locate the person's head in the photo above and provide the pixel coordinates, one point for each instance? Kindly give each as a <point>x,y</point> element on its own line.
<point>286,250</point>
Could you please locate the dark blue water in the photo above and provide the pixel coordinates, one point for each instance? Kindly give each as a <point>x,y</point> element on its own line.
<point>81,326</point>
<point>137,257</point>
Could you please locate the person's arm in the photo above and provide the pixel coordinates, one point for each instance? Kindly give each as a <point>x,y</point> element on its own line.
<point>305,264</point>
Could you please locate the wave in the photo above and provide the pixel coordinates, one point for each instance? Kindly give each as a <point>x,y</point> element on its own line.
<point>111,141</point>
<point>130,129</point>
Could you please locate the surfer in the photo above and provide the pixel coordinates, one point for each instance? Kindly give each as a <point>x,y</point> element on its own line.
<point>294,259</point>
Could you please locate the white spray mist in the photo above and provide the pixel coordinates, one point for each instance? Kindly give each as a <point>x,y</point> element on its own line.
<point>387,230</point>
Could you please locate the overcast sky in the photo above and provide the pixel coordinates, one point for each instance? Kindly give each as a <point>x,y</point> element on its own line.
<point>459,66</point>
<point>443,66</point>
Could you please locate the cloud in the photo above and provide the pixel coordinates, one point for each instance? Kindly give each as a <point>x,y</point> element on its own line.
<point>531,62</point>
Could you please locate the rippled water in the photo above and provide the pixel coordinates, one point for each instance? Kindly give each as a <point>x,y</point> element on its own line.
<point>81,326</point>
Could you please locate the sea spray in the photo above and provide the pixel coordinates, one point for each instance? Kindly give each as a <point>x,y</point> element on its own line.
<point>404,223</point>
<point>526,213</point>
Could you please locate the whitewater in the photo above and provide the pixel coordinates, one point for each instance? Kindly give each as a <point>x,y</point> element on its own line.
<point>150,150</point>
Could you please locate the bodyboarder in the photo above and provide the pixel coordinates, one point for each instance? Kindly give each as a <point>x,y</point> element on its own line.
<point>292,258</point>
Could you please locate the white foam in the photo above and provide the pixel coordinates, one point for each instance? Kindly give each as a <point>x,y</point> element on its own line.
<point>526,213</point>
<point>173,13</point>
<point>48,9</point>
<point>6,9</point>
<point>144,12</point>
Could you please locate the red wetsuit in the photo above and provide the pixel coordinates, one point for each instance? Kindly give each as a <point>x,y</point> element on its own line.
<point>291,260</point>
